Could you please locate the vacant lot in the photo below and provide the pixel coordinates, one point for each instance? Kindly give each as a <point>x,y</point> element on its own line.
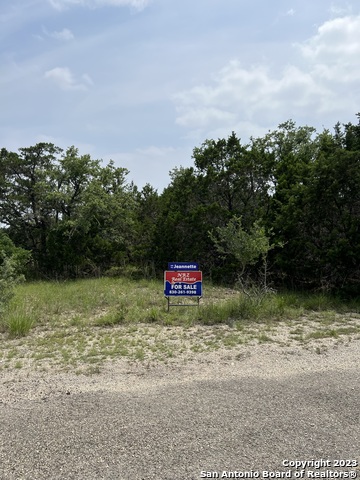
<point>98,380</point>
<point>83,325</point>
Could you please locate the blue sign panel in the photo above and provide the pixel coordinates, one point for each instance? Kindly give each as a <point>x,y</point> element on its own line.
<point>183,266</point>
<point>186,284</point>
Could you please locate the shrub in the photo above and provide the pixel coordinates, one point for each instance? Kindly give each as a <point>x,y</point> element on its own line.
<point>8,279</point>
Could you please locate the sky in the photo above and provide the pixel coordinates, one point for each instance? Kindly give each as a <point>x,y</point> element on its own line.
<point>144,82</point>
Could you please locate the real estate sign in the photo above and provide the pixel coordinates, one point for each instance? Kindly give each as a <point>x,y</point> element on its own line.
<point>183,283</point>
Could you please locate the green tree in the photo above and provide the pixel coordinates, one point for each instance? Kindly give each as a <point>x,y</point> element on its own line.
<point>95,217</point>
<point>12,263</point>
<point>247,247</point>
<point>314,210</point>
<point>146,215</point>
<point>234,177</point>
<point>27,206</point>
<point>177,225</point>
<point>331,213</point>
<point>227,180</point>
<point>74,215</point>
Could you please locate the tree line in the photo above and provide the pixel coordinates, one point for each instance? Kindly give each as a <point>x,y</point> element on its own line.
<point>283,208</point>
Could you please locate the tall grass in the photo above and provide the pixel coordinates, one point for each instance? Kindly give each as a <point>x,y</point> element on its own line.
<point>18,322</point>
<point>249,308</point>
<point>81,324</point>
<point>106,302</point>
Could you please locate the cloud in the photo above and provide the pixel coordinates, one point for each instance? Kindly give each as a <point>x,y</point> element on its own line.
<point>65,34</point>
<point>318,81</point>
<point>336,40</point>
<point>334,52</point>
<point>64,4</point>
<point>63,78</point>
<point>343,10</point>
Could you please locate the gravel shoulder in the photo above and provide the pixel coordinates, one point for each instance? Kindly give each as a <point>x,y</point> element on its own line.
<point>267,360</point>
<point>235,409</point>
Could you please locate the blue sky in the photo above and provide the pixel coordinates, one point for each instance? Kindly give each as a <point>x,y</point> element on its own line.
<point>143,82</point>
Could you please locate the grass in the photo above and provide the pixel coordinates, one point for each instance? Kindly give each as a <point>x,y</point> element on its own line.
<point>18,323</point>
<point>83,323</point>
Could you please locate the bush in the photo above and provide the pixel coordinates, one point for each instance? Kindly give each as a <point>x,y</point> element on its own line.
<point>8,279</point>
<point>20,258</point>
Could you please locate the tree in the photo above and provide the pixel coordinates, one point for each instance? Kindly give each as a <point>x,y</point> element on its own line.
<point>315,207</point>
<point>290,153</point>
<point>146,215</point>
<point>246,247</point>
<point>332,212</point>
<point>227,180</point>
<point>74,215</point>
<point>27,186</point>
<point>233,177</point>
<point>12,263</point>
<point>176,226</point>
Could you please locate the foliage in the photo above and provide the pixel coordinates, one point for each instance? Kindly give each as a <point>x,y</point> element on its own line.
<point>19,257</point>
<point>315,209</point>
<point>74,216</point>
<point>8,279</point>
<point>246,247</point>
<point>296,191</point>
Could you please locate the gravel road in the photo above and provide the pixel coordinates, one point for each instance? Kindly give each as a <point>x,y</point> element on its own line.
<point>187,419</point>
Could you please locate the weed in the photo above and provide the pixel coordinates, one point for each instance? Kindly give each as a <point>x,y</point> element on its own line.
<point>231,340</point>
<point>299,330</point>
<point>66,355</point>
<point>93,370</point>
<point>18,324</point>
<point>43,355</point>
<point>348,330</point>
<point>77,321</point>
<point>263,338</point>
<point>12,353</point>
<point>92,352</point>
<point>327,317</point>
<point>139,354</point>
<point>153,315</point>
<point>317,334</point>
<point>112,318</point>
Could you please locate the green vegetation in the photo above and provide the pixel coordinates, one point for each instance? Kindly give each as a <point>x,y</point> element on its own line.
<point>281,211</point>
<point>81,324</point>
<point>12,260</point>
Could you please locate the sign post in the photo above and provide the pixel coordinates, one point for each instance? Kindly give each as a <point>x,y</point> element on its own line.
<point>182,280</point>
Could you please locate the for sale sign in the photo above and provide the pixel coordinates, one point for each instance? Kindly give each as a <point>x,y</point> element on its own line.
<point>186,284</point>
